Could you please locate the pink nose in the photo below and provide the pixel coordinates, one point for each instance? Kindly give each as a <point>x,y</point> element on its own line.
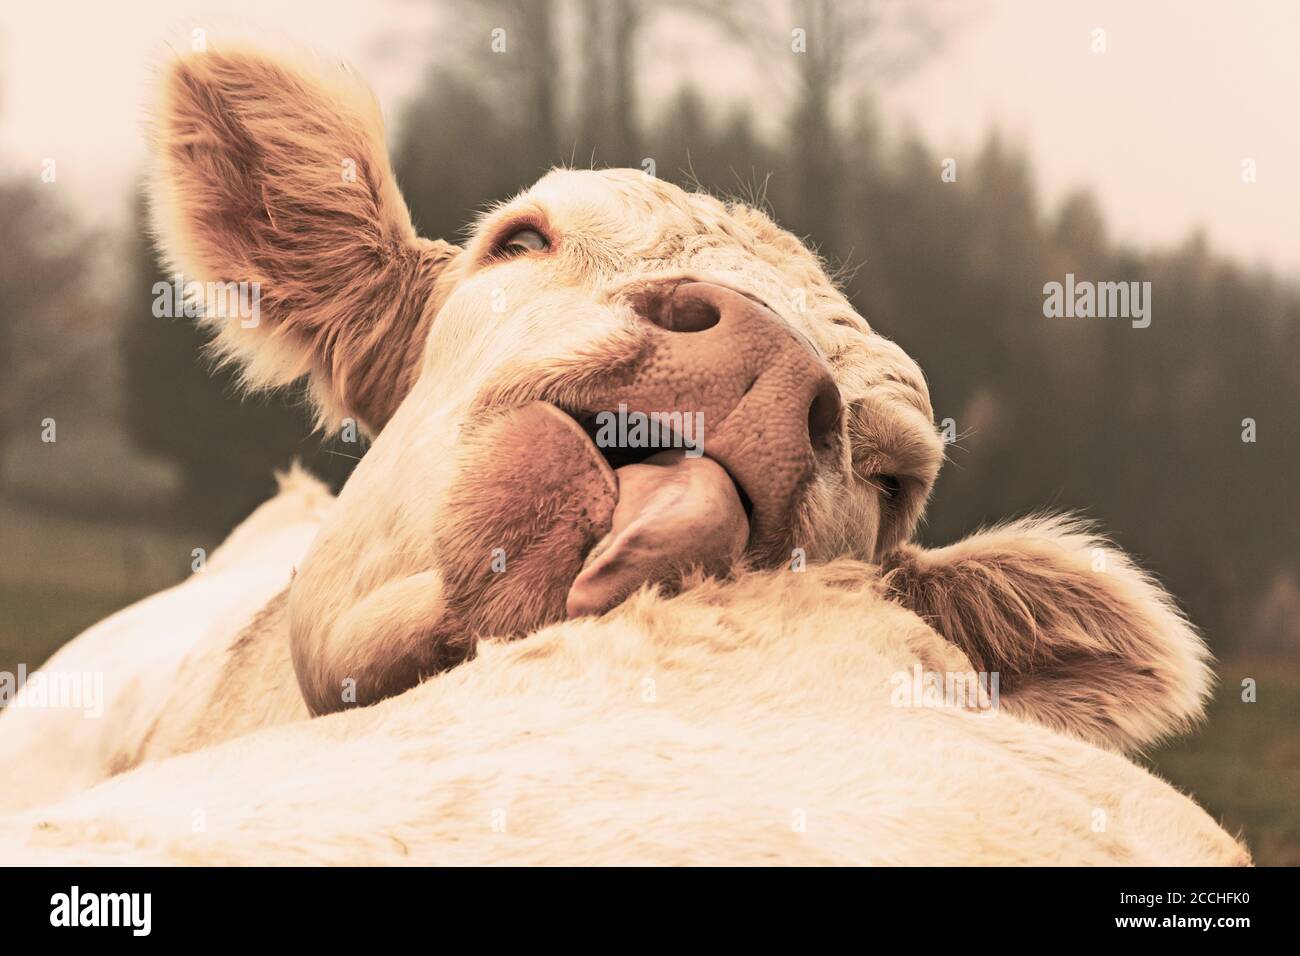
<point>768,401</point>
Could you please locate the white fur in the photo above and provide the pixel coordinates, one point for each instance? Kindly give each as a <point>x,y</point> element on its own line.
<point>49,753</point>
<point>741,723</point>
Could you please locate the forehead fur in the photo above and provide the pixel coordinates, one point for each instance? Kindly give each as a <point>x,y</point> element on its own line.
<point>627,219</point>
<point>615,222</point>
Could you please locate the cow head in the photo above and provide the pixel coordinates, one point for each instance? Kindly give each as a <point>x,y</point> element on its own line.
<point>611,383</point>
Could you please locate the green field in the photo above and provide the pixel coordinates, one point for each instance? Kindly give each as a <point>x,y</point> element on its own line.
<point>1242,764</point>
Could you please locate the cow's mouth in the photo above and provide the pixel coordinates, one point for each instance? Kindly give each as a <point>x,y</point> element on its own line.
<point>774,417</point>
<point>675,510</point>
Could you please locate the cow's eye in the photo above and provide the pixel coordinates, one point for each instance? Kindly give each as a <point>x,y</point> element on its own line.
<point>523,241</point>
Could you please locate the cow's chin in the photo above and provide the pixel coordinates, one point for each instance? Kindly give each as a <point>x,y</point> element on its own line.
<point>544,527</point>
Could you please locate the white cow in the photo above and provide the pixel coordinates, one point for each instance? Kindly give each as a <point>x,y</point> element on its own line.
<point>626,575</point>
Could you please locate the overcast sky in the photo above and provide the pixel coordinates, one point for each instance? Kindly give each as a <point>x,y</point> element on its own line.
<point>1158,125</point>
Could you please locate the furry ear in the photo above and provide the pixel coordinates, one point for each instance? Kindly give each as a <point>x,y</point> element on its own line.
<point>1083,640</point>
<point>278,176</point>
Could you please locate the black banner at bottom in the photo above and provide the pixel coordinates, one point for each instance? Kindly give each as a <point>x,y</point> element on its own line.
<point>237,904</point>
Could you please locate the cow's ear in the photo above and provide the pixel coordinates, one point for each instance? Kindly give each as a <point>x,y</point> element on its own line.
<point>274,176</point>
<point>1081,638</point>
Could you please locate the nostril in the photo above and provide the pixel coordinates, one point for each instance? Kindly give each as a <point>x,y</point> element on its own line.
<point>685,311</point>
<point>823,413</point>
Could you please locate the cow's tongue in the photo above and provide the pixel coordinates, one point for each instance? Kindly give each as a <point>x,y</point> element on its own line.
<point>673,512</point>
